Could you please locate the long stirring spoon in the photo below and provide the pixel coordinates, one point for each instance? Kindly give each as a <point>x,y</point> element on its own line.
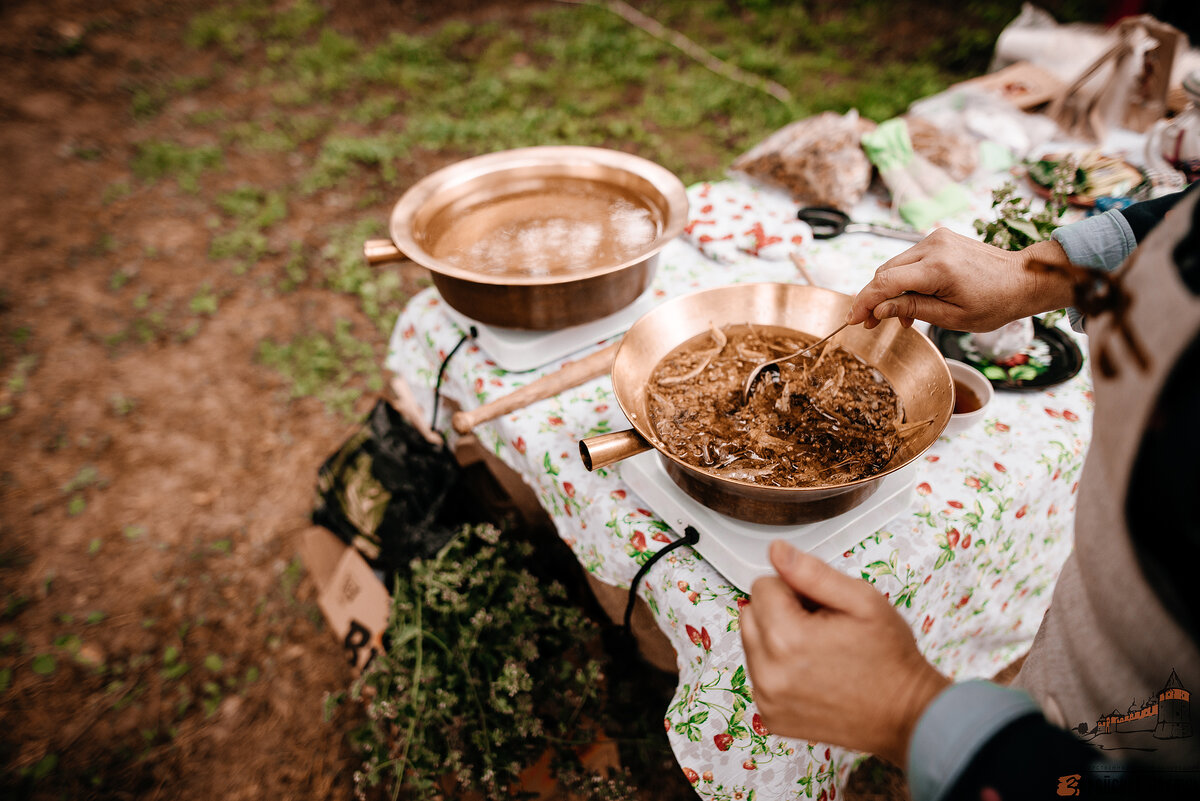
<point>773,364</point>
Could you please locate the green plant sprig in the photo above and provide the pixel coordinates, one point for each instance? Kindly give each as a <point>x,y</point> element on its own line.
<point>508,675</point>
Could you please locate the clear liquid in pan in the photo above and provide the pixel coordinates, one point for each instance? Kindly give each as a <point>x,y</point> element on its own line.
<point>558,227</point>
<point>822,421</point>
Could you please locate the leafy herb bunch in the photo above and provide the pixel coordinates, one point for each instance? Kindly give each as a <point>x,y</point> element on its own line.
<point>486,667</point>
<point>1015,227</point>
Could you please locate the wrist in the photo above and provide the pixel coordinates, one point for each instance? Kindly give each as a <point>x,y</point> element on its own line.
<point>1051,286</point>
<point>926,685</point>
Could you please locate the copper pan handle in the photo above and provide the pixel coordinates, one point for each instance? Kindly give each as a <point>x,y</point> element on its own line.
<point>571,374</point>
<point>381,251</point>
<point>605,449</point>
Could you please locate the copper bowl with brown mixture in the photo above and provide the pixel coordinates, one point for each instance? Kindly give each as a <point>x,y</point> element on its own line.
<point>538,238</point>
<point>906,359</point>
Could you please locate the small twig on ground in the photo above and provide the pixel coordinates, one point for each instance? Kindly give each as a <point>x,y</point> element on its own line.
<point>690,48</point>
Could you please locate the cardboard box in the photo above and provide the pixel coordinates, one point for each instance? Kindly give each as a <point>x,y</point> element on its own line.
<point>354,601</point>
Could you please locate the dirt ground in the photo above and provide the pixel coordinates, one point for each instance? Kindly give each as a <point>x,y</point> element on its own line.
<point>158,635</point>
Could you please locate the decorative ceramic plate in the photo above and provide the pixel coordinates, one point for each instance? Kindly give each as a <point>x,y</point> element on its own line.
<point>1101,176</point>
<point>1051,358</point>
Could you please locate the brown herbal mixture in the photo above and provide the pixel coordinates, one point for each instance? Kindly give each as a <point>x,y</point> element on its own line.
<point>826,418</point>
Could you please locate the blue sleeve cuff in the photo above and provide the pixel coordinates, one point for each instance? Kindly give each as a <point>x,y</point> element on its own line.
<point>953,729</point>
<point>1102,242</point>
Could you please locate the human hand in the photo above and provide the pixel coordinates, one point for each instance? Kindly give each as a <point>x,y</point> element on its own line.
<point>962,284</point>
<point>831,660</point>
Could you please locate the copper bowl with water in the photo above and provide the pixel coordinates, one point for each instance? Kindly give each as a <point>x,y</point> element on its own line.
<point>538,238</point>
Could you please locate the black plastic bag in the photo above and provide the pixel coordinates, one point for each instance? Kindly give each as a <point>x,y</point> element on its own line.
<point>391,494</point>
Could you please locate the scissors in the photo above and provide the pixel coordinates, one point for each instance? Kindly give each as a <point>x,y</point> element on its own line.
<point>828,222</point>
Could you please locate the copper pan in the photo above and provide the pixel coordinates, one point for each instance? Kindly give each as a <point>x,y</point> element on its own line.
<point>905,357</point>
<point>446,222</point>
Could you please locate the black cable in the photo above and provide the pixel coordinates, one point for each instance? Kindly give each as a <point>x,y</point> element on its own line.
<point>690,537</point>
<point>437,388</point>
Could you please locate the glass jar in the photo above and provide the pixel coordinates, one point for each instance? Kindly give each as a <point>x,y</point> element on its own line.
<point>1175,143</point>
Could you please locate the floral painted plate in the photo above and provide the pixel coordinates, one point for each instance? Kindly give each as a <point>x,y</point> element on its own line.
<point>1051,358</point>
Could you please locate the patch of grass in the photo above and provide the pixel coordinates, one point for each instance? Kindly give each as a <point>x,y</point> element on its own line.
<point>120,277</point>
<point>374,109</point>
<point>332,369</point>
<point>378,289</point>
<point>204,301</point>
<point>245,245</point>
<point>295,269</point>
<point>86,477</point>
<point>254,136</point>
<point>121,405</point>
<point>16,383</point>
<point>115,191</point>
<point>230,27</point>
<point>295,20</point>
<point>253,210</point>
<point>44,664</point>
<point>253,206</point>
<point>205,117</point>
<point>341,154</point>
<point>157,159</point>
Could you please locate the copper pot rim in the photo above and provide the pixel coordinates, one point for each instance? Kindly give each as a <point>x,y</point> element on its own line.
<point>666,183</point>
<point>746,488</point>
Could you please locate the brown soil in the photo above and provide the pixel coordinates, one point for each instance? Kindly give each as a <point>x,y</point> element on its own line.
<point>203,470</point>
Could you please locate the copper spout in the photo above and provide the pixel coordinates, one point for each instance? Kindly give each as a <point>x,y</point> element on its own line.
<point>605,449</point>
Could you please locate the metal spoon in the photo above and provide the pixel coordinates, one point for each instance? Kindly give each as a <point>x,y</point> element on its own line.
<point>773,364</point>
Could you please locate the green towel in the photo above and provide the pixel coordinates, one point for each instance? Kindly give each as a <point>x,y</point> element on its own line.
<point>922,192</point>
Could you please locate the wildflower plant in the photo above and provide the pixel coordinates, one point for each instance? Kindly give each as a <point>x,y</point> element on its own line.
<point>486,667</point>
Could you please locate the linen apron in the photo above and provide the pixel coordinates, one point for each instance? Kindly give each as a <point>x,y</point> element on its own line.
<point>1107,644</point>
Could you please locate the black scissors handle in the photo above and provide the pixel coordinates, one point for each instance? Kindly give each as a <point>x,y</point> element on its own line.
<point>826,222</point>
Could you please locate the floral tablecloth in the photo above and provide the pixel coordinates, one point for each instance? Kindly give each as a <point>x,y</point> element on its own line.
<point>970,564</point>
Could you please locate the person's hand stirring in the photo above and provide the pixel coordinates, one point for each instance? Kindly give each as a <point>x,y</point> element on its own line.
<point>959,283</point>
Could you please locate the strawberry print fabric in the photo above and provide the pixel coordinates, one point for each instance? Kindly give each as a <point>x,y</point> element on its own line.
<point>970,564</point>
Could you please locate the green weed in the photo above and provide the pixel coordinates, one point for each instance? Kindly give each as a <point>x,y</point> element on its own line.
<point>121,405</point>
<point>378,289</point>
<point>204,301</point>
<point>295,269</point>
<point>329,368</point>
<point>86,477</point>
<point>157,159</point>
<point>115,191</point>
<point>253,210</point>
<point>341,154</point>
<point>230,27</point>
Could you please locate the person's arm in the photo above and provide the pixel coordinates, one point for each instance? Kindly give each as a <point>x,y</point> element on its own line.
<point>1022,756</point>
<point>830,660</point>
<point>960,283</point>
<point>1104,242</point>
